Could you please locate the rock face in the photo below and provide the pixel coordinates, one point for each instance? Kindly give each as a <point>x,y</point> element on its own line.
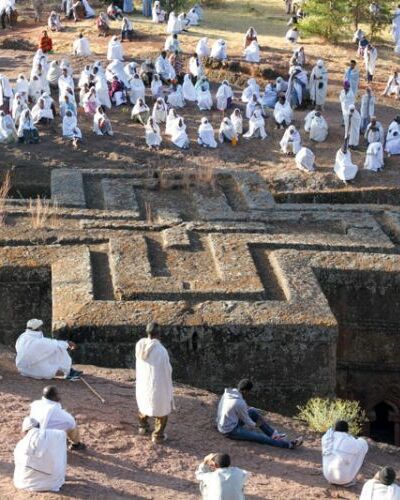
<point>296,296</point>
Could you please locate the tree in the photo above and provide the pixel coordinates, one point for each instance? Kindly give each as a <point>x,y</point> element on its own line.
<point>325,18</point>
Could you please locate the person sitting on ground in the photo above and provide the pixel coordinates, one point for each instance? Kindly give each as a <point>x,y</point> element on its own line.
<point>392,146</point>
<point>256,125</point>
<point>140,112</point>
<point>50,415</point>
<point>81,46</point>
<point>252,52</point>
<point>8,133</point>
<point>172,43</point>
<point>54,22</point>
<point>154,391</point>
<point>206,134</point>
<point>103,27</point>
<point>237,121</point>
<point>393,85</point>
<point>158,14</point>
<point>27,132</point>
<point>305,160</point>
<point>152,134</point>
<point>41,114</point>
<point>250,36</point>
<point>40,458</point>
<point>219,480</point>
<point>342,455</point>
<point>117,92</point>
<point>178,133</point>
<point>292,35</point>
<point>40,357</point>
<point>70,129</point>
<point>126,30</point>
<point>291,141</point>
<point>283,112</point>
<point>235,420</point>
<point>382,486</point>
<point>164,69</point>
<point>101,123</point>
<point>45,43</point>
<point>219,50</point>
<point>114,12</point>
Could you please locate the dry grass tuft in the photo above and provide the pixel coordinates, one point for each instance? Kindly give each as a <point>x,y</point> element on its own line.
<point>149,212</point>
<point>4,192</point>
<point>44,213</point>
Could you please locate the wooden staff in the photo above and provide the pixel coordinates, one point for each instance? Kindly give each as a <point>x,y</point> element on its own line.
<point>92,390</point>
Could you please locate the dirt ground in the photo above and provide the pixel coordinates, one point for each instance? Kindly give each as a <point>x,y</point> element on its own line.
<point>121,464</point>
<point>128,149</point>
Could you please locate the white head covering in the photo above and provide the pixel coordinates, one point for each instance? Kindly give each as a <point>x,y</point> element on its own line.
<point>34,324</point>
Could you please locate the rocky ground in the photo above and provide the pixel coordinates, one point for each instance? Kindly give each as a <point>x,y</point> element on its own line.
<point>121,464</point>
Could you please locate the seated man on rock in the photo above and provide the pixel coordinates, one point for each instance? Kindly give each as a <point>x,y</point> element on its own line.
<point>219,480</point>
<point>40,458</point>
<point>40,357</point>
<point>342,455</point>
<point>382,486</point>
<point>50,415</point>
<point>235,420</point>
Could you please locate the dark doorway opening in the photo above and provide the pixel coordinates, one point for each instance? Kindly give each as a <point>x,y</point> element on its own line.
<point>382,428</point>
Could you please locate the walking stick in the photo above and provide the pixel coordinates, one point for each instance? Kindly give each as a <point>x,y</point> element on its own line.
<point>93,390</point>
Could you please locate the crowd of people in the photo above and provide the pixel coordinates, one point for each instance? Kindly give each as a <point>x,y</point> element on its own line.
<point>41,455</point>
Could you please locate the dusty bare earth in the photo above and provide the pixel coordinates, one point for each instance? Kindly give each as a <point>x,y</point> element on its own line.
<point>120,464</point>
<point>128,146</point>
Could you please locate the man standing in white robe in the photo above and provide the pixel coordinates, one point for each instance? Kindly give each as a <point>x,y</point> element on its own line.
<point>370,58</point>
<point>319,84</point>
<point>374,132</point>
<point>382,486</point>
<point>367,109</point>
<point>347,98</point>
<point>115,50</point>
<point>342,455</point>
<point>219,480</point>
<point>352,125</point>
<point>50,415</point>
<point>40,357</point>
<point>81,46</point>
<point>40,458</point>
<point>154,390</point>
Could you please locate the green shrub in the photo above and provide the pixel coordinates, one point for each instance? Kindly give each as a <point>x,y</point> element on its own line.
<point>321,414</point>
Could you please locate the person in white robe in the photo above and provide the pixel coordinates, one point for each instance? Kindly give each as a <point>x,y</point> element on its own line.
<point>188,90</point>
<point>49,412</point>
<point>292,35</point>
<point>342,454</point>
<point>8,132</point>
<point>156,87</point>
<point>367,108</point>
<point>219,480</point>
<point>81,46</point>
<point>115,50</point>
<point>227,132</point>
<point>21,87</point>
<point>41,114</point>
<point>299,56</point>
<point>35,89</point>
<point>67,105</point>
<point>116,68</point>
<point>164,68</point>
<point>206,134</point>
<point>40,458</point>
<point>178,134</point>
<point>66,64</point>
<point>6,94</point>
<point>252,89</point>
<point>374,131</point>
<point>136,89</point>
<point>157,13</point>
<point>84,77</point>
<point>89,11</point>
<point>291,141</point>
<point>101,123</point>
<point>27,132</point>
<point>252,105</point>
<point>127,31</point>
<point>382,486</point>
<point>347,98</point>
<point>374,157</point>
<point>152,134</point>
<point>174,24</point>
<point>19,105</point>
<point>252,52</point>
<point>40,58</point>
<point>175,98</point>
<point>237,121</point>
<point>393,85</point>
<point>160,111</point>
<point>140,112</point>
<point>193,17</point>
<point>172,44</point>
<point>344,167</point>
<point>53,74</point>
<point>352,76</point>
<point>352,127</point>
<point>183,19</point>
<point>203,96</point>
<point>219,50</point>
<point>154,390</point>
<point>54,22</point>
<point>283,112</point>
<point>65,81</point>
<point>70,129</point>
<point>392,146</point>
<point>202,48</point>
<point>269,97</point>
<point>102,93</point>
<point>256,126</point>
<point>281,85</point>
<point>319,83</point>
<point>396,25</point>
<point>196,68</point>
<point>370,58</point>
<point>305,160</point>
<point>316,125</point>
<point>41,357</point>
<point>172,117</point>
<point>90,102</point>
<point>131,69</point>
<point>224,96</point>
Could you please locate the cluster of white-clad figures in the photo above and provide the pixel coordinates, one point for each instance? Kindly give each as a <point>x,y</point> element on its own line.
<point>118,84</point>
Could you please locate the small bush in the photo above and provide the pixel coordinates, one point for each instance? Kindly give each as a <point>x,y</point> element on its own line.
<point>321,414</point>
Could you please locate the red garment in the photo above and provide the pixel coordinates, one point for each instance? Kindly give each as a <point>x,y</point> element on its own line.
<point>116,86</point>
<point>46,43</point>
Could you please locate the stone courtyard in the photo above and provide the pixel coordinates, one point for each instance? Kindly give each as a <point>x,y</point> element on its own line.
<point>303,298</point>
